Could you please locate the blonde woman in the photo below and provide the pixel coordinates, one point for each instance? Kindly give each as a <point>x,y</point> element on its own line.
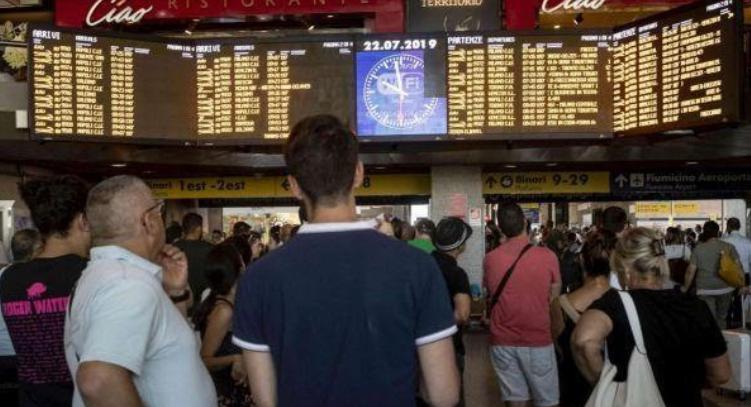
<point>684,344</point>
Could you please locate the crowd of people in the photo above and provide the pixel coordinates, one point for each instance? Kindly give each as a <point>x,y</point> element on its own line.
<point>106,306</point>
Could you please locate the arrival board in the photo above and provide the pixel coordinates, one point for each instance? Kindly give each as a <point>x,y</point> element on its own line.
<point>260,90</point>
<point>90,86</point>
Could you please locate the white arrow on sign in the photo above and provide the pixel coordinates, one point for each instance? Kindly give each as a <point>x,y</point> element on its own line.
<point>621,180</point>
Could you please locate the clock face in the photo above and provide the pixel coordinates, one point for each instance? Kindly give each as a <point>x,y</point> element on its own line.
<point>394,92</point>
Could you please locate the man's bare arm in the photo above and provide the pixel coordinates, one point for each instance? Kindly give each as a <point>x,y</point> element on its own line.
<point>106,385</point>
<point>438,363</point>
<point>261,377</point>
<point>462,305</point>
<point>718,370</point>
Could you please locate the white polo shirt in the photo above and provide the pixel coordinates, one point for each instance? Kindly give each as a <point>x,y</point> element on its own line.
<point>120,314</point>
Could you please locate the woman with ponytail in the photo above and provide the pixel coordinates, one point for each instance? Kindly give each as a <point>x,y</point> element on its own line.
<point>684,345</point>
<point>213,319</point>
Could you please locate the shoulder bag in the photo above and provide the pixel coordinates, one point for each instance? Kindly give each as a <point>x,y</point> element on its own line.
<point>497,294</point>
<point>731,271</point>
<point>640,388</point>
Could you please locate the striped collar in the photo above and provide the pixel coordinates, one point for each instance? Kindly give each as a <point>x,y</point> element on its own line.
<point>337,227</point>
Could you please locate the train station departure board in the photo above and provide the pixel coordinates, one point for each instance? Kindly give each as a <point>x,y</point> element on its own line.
<point>528,84</point>
<point>673,71</point>
<point>678,70</point>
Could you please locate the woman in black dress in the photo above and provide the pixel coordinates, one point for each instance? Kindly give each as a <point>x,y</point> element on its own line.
<point>213,319</point>
<point>567,309</point>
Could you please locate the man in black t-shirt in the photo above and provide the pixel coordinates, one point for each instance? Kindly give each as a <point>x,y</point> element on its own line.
<point>196,249</point>
<point>35,294</point>
<point>450,241</point>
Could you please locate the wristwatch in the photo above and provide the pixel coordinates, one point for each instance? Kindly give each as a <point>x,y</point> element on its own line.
<point>180,298</point>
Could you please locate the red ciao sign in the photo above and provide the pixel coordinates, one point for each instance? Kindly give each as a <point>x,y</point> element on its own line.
<point>91,13</point>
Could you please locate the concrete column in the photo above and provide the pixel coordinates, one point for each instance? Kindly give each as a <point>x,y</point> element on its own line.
<point>450,187</point>
<point>214,220</point>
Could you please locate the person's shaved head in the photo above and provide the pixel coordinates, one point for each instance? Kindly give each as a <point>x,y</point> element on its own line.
<point>114,208</point>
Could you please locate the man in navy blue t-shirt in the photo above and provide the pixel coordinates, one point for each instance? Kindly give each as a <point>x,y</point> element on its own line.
<point>341,315</point>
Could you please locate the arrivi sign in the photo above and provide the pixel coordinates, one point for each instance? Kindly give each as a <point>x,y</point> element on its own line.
<point>93,13</point>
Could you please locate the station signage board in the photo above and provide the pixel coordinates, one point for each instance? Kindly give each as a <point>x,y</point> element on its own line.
<point>648,210</point>
<point>678,183</point>
<point>546,183</point>
<point>278,187</point>
<point>453,15</point>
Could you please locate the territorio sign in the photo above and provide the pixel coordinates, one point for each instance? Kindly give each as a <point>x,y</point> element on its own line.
<point>92,13</point>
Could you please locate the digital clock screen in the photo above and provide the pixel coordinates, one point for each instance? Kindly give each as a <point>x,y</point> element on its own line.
<point>401,87</point>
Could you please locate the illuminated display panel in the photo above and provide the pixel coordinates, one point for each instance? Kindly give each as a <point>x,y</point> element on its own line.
<point>258,91</point>
<point>678,70</point>
<point>401,86</point>
<point>91,87</point>
<point>503,83</point>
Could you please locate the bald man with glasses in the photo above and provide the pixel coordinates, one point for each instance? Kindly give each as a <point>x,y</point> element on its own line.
<point>127,340</point>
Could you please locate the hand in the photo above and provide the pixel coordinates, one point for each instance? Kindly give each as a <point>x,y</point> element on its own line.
<point>239,375</point>
<point>174,270</point>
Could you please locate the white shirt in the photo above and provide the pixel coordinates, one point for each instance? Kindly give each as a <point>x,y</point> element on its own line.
<point>743,246</point>
<point>120,314</point>
<point>675,251</point>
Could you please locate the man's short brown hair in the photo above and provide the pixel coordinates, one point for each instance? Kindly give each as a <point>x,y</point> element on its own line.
<point>321,154</point>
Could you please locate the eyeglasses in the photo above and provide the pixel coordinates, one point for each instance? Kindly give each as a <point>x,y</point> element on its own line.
<point>162,209</point>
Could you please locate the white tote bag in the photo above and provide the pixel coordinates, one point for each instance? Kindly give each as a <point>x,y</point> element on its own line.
<point>640,388</point>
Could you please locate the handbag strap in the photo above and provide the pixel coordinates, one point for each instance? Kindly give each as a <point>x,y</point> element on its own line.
<point>568,308</point>
<point>633,321</point>
<point>504,281</point>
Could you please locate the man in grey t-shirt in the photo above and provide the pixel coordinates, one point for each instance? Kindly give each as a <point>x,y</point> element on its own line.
<point>127,341</point>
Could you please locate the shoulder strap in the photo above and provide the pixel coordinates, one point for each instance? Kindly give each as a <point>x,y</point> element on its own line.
<point>633,321</point>
<point>231,305</point>
<point>504,281</point>
<point>568,308</point>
